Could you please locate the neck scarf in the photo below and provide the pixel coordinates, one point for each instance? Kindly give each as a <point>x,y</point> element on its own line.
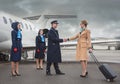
<point>42,38</point>
<point>82,29</point>
<point>19,34</point>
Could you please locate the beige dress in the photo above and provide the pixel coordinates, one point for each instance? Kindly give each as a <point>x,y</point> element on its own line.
<point>83,44</point>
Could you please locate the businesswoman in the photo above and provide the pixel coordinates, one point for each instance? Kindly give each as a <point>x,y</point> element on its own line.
<point>83,45</point>
<point>16,48</point>
<point>40,50</point>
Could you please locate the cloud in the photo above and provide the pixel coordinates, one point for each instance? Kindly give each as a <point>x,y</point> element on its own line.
<point>24,5</point>
<point>103,15</point>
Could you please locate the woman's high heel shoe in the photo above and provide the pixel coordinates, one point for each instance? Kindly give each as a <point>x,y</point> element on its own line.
<point>17,74</point>
<point>84,75</point>
<point>41,68</point>
<point>13,74</point>
<point>37,68</point>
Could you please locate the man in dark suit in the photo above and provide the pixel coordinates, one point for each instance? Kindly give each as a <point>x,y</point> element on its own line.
<point>54,52</point>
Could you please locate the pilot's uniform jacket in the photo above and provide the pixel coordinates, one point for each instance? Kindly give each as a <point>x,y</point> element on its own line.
<point>54,53</point>
<point>83,44</point>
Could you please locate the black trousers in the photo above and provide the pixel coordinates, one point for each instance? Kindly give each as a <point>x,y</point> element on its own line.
<point>55,66</point>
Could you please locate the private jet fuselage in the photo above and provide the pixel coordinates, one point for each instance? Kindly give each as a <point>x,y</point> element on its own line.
<point>29,31</point>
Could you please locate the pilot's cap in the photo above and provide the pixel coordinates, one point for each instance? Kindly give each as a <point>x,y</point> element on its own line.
<point>54,22</point>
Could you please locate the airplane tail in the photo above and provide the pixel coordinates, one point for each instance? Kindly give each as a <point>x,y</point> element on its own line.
<point>42,19</point>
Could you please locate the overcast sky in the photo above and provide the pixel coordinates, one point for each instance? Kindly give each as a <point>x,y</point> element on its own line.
<point>103,15</point>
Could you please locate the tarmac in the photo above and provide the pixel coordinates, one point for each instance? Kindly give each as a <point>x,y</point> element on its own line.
<point>102,55</point>
<point>71,68</point>
<point>29,74</point>
<point>69,55</point>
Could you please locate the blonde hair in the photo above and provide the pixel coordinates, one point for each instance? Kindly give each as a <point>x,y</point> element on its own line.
<point>84,22</point>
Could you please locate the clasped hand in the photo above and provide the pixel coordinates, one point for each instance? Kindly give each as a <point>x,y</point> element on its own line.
<point>65,40</point>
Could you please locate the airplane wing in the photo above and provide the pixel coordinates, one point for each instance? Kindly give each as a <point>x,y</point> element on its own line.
<point>104,42</point>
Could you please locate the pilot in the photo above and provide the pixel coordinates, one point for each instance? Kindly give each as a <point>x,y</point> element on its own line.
<point>54,52</point>
<point>40,50</point>
<point>83,44</point>
<point>16,48</point>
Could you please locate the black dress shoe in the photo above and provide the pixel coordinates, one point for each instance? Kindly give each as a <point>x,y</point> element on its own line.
<point>48,74</point>
<point>60,73</point>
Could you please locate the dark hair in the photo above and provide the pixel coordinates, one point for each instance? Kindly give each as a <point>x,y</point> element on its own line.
<point>39,31</point>
<point>14,25</point>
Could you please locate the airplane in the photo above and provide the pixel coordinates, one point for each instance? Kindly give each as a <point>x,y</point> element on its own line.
<point>29,29</point>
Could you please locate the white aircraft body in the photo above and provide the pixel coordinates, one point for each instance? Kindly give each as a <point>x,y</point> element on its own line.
<point>30,30</point>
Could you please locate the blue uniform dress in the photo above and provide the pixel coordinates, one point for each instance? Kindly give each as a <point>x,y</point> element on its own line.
<point>16,43</point>
<point>40,44</point>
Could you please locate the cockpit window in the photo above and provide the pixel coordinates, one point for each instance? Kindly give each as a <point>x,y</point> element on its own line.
<point>5,20</point>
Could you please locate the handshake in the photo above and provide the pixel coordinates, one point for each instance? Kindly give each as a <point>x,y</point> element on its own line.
<point>65,40</point>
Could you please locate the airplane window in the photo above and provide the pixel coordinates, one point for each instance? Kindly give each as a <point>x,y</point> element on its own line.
<point>5,20</point>
<point>26,26</point>
<point>30,27</point>
<point>10,21</point>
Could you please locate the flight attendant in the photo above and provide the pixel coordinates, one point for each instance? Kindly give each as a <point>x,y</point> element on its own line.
<point>83,45</point>
<point>40,50</point>
<point>16,48</point>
